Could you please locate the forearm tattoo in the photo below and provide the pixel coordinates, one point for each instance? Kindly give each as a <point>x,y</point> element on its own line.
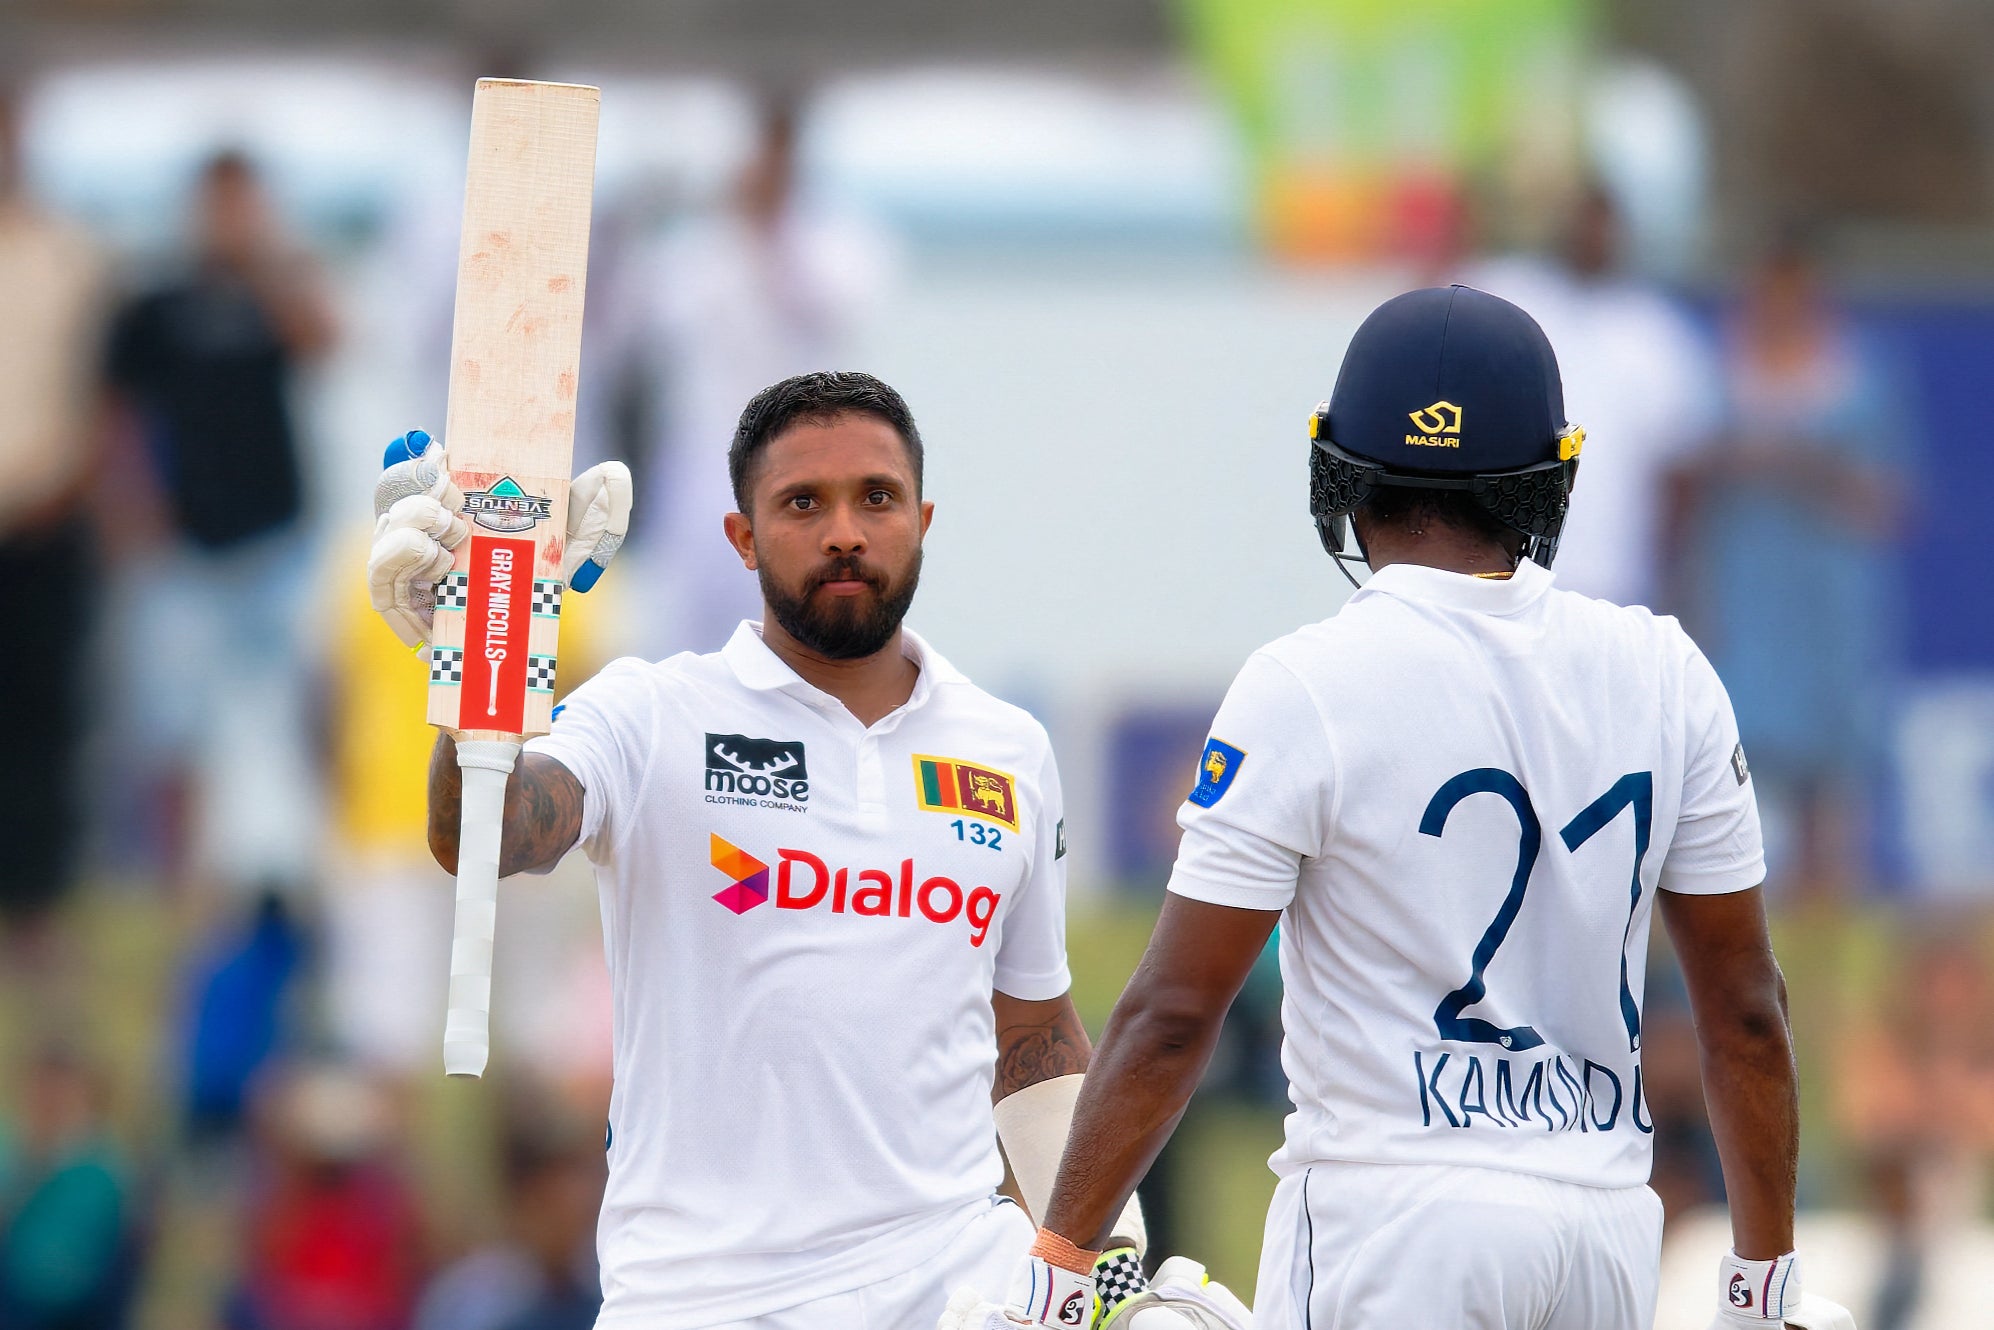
<point>1037,1041</point>
<point>543,810</point>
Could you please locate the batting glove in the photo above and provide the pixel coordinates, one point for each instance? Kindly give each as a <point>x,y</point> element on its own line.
<point>1116,1297</point>
<point>1759,1295</point>
<point>418,522</point>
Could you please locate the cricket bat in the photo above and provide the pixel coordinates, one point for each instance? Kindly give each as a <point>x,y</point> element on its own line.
<point>515,358</point>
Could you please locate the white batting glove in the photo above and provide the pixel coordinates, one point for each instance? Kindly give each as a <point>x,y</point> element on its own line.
<point>1117,1296</point>
<point>1183,1295</point>
<point>1759,1295</point>
<point>598,520</point>
<point>418,523</point>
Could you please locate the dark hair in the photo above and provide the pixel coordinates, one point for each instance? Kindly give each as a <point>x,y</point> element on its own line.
<point>816,398</point>
<point>228,166</point>
<point>1403,506</point>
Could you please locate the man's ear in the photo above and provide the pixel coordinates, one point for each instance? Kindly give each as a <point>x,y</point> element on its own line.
<point>927,515</point>
<point>741,535</point>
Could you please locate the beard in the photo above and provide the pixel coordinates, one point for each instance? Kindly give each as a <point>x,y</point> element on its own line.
<point>842,627</point>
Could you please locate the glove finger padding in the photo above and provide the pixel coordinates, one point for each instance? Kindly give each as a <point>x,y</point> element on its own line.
<point>416,465</point>
<point>968,1310</point>
<point>1817,1313</point>
<point>1184,1297</point>
<point>402,571</point>
<point>598,520</point>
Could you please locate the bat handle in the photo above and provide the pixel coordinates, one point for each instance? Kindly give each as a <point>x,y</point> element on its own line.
<point>467,1037</point>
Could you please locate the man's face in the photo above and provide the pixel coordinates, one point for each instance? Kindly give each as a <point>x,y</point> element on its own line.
<point>234,217</point>
<point>835,533</point>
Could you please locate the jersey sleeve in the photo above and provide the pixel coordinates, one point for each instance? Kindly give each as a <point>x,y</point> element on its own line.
<point>1717,846</point>
<point>603,734</point>
<point>1262,802</point>
<point>1031,954</point>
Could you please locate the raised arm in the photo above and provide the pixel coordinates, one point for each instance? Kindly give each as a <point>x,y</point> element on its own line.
<point>543,810</point>
<point>1737,999</point>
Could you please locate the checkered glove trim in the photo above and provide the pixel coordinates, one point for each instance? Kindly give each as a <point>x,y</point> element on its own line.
<point>1118,1277</point>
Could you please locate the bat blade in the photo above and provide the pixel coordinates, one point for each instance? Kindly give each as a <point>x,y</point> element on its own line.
<point>515,360</point>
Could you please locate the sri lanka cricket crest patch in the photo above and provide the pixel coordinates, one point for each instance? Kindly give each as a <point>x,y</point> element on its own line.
<point>1216,769</point>
<point>948,785</point>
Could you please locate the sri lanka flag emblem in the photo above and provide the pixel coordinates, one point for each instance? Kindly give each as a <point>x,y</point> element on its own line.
<point>945,785</point>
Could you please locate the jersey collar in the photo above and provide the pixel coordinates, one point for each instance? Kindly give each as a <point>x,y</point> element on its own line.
<point>1479,595</point>
<point>761,669</point>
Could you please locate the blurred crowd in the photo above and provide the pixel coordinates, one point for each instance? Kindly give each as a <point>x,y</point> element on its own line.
<point>259,1135</point>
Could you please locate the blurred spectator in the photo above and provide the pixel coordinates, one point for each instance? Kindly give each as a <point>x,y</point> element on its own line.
<point>1914,1082</point>
<point>204,365</point>
<point>541,1275</point>
<point>53,279</point>
<point>333,1240</point>
<point>68,1248</point>
<point>241,982</point>
<point>772,287</point>
<point>1787,530</point>
<point>1914,1095</point>
<point>1637,376</point>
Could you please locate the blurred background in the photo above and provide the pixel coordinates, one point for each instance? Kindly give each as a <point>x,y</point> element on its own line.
<point>1110,253</point>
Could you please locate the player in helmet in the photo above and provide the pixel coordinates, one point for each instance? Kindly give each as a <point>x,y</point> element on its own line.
<point>1509,480</point>
<point>1463,797</point>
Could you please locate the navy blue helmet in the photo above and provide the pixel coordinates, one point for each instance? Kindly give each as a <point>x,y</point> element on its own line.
<point>1447,388</point>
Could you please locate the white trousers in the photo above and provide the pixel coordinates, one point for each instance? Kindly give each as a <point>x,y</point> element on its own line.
<point>983,1256</point>
<point>1413,1246</point>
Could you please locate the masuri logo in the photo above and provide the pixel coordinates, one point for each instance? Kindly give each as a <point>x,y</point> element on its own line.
<point>1440,418</point>
<point>1439,426</point>
<point>803,881</point>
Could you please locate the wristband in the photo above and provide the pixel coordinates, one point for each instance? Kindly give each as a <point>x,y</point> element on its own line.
<point>1761,1290</point>
<point>1050,1247</point>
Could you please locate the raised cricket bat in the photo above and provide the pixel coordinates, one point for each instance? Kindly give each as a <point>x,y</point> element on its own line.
<point>515,358</point>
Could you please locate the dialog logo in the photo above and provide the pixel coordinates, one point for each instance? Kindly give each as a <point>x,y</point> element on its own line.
<point>804,881</point>
<point>750,886</point>
<point>761,770</point>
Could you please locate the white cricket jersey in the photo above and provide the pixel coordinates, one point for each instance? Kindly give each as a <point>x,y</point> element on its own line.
<point>1464,794</point>
<point>805,919</point>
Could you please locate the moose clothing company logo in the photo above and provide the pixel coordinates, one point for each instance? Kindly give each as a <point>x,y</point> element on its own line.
<point>1439,426</point>
<point>803,881</point>
<point>762,773</point>
<point>507,507</point>
<point>945,785</point>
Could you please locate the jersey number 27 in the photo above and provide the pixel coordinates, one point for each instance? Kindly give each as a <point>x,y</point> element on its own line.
<point>1636,790</point>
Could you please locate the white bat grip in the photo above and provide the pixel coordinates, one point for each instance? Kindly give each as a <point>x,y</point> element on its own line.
<point>467,1037</point>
